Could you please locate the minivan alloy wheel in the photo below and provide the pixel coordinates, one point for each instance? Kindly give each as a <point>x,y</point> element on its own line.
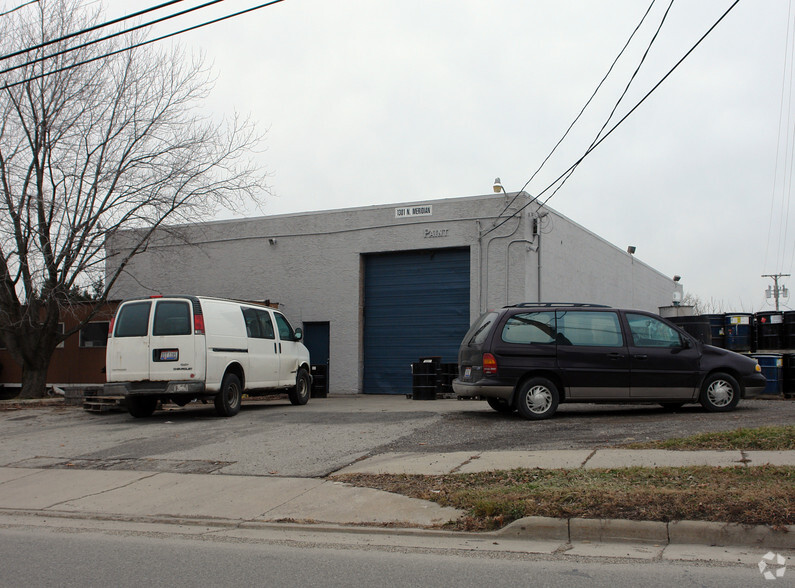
<point>538,399</point>
<point>720,392</point>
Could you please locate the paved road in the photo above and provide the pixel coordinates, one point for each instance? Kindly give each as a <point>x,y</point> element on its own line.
<point>85,557</point>
<point>274,438</point>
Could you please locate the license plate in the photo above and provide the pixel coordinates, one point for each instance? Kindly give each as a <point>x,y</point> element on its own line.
<point>468,373</point>
<point>169,355</point>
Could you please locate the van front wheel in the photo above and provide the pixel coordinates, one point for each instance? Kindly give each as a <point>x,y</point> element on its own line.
<point>300,394</point>
<point>720,393</point>
<point>227,401</point>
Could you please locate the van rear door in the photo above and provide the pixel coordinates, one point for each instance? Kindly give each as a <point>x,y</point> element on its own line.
<point>128,347</point>
<point>172,344</point>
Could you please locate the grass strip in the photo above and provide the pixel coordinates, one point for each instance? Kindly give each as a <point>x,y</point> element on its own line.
<point>747,495</point>
<point>774,438</point>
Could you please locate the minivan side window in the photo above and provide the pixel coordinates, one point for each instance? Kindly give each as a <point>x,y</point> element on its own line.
<point>530,328</point>
<point>590,328</point>
<point>133,320</point>
<point>647,331</point>
<point>285,330</point>
<point>172,317</point>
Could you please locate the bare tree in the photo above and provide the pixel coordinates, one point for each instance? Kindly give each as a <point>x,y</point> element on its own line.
<point>90,145</point>
<point>701,306</point>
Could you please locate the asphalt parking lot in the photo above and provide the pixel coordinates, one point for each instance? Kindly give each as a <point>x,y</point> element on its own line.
<point>274,438</point>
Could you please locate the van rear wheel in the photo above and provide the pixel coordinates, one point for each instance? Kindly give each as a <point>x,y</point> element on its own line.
<point>141,406</point>
<point>500,405</point>
<point>227,401</point>
<point>300,394</point>
<point>538,399</point>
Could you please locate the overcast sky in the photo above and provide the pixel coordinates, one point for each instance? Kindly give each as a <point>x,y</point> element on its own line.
<point>386,101</point>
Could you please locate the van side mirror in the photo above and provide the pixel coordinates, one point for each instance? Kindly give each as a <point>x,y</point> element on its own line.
<point>299,334</point>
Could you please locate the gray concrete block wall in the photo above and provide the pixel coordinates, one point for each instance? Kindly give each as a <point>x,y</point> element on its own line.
<point>313,267</point>
<point>576,262</point>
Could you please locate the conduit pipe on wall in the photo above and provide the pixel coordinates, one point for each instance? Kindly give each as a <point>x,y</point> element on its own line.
<point>485,273</point>
<point>530,247</point>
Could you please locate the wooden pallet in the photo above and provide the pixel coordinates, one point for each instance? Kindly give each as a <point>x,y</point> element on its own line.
<point>103,403</point>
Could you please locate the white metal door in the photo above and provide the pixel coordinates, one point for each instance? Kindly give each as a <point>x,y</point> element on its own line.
<point>263,354</point>
<point>288,350</point>
<point>128,349</point>
<point>172,343</point>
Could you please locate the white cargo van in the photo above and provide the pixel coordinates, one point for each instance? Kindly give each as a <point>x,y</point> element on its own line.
<point>182,348</point>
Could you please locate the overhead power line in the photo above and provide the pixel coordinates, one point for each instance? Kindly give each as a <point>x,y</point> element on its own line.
<point>87,30</point>
<point>111,36</point>
<point>621,121</point>
<point>582,111</point>
<point>620,98</point>
<point>141,44</point>
<point>18,7</point>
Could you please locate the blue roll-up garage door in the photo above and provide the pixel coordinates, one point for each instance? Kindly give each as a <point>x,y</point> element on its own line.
<point>416,304</point>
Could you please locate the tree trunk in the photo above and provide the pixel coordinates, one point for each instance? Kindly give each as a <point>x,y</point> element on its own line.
<point>34,381</point>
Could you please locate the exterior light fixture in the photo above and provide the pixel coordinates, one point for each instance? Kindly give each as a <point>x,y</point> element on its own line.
<point>272,240</point>
<point>631,250</point>
<point>677,278</point>
<point>498,186</point>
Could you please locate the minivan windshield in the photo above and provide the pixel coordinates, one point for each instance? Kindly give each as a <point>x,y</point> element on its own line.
<point>480,329</point>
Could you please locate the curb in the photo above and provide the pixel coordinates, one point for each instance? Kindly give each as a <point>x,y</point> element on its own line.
<point>529,528</point>
<point>653,532</point>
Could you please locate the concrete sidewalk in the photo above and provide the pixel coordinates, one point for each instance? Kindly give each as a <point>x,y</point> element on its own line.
<point>469,462</point>
<point>239,501</point>
<point>209,496</point>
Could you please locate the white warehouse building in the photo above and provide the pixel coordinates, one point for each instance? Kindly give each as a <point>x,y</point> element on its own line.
<point>377,288</point>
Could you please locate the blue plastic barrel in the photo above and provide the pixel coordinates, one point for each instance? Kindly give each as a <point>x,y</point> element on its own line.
<point>772,365</point>
<point>737,327</point>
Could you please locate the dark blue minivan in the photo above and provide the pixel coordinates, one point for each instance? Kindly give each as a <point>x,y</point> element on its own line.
<point>530,357</point>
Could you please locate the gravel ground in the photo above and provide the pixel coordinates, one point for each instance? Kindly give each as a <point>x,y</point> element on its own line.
<point>274,438</point>
<point>583,426</point>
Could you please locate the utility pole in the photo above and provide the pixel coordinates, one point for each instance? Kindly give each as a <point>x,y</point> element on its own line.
<point>775,291</point>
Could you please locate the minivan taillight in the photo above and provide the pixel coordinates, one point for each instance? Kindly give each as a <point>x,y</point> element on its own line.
<point>198,324</point>
<point>489,365</point>
<point>110,326</point>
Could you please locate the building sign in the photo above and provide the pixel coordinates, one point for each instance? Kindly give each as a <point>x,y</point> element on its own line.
<point>419,210</point>
<point>436,233</point>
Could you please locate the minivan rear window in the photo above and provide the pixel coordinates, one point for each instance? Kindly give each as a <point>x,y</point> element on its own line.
<point>133,320</point>
<point>480,329</point>
<point>530,328</point>
<point>172,317</point>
